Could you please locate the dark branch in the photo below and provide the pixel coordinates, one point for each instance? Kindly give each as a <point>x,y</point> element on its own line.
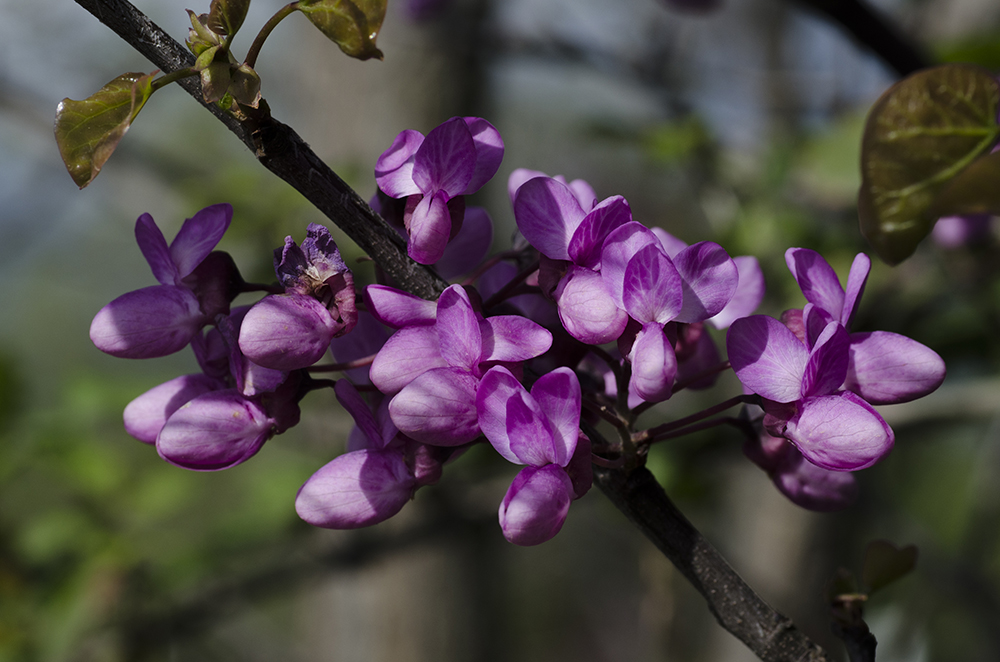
<point>770,635</point>
<point>280,150</point>
<point>875,32</point>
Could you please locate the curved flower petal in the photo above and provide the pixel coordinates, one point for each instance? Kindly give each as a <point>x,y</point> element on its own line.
<point>559,396</point>
<point>287,332</point>
<point>496,388</point>
<point>652,290</point>
<point>367,338</point>
<point>586,309</point>
<point>749,292</point>
<point>536,504</point>
<point>587,241</point>
<point>446,160</point>
<point>397,309</point>
<point>654,364</point>
<point>407,354</point>
<point>394,168</point>
<point>199,236</point>
<point>145,416</point>
<point>887,368</point>
<point>513,338</point>
<point>470,245</point>
<point>438,408</point>
<point>350,399</point>
<point>517,178</point>
<point>709,280</point>
<point>547,214</point>
<point>356,489</point>
<point>839,432</point>
<point>147,323</point>
<point>767,358</point>
<point>620,246</point>
<point>856,280</point>
<point>214,431</point>
<point>671,244</point>
<point>429,228</point>
<point>812,487</point>
<point>817,280</point>
<point>459,336</point>
<point>532,438</point>
<point>827,365</point>
<point>154,248</point>
<point>489,152</point>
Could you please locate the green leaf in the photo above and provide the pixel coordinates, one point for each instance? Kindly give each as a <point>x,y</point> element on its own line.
<point>351,25</point>
<point>884,564</point>
<point>976,190</point>
<point>200,37</point>
<point>245,86</point>
<point>88,131</point>
<point>923,132</point>
<point>226,16</point>
<point>216,73</point>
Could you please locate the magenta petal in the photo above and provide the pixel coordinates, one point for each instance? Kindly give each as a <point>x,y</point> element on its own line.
<point>429,229</point>
<point>470,245</point>
<point>654,364</point>
<point>446,160</point>
<point>147,323</point>
<point>587,241</point>
<point>214,431</point>
<point>458,331</point>
<point>652,290</point>
<point>356,489</point>
<point>587,310</point>
<point>827,365</point>
<point>816,279</point>
<point>767,357</point>
<point>365,340</point>
<point>407,354</point>
<point>532,438</point>
<point>199,236</point>
<point>394,168</point>
<point>709,280</point>
<point>513,338</point>
<point>584,194</point>
<point>489,152</point>
<point>145,416</point>
<point>856,280</point>
<point>350,399</point>
<point>840,432</point>
<point>154,248</point>
<point>812,487</point>
<point>287,332</point>
<point>558,394</point>
<point>547,214</point>
<point>397,309</point>
<point>671,244</point>
<point>536,504</point>
<point>887,368</point>
<point>749,292</point>
<point>518,178</point>
<point>496,388</point>
<point>620,246</point>
<point>438,408</point>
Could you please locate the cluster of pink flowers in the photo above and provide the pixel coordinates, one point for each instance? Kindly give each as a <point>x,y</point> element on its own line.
<point>499,358</point>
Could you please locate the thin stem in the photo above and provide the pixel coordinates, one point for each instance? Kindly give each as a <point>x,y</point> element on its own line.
<point>265,31</point>
<point>697,427</point>
<point>172,77</point>
<point>605,412</point>
<point>339,367</point>
<point>648,436</point>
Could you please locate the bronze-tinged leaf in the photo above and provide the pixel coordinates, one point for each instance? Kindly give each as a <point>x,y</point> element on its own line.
<point>88,131</point>
<point>245,86</point>
<point>922,133</point>
<point>352,25</point>
<point>226,16</point>
<point>885,563</point>
<point>975,190</point>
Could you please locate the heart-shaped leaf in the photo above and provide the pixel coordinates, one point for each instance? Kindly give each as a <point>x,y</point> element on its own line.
<point>884,564</point>
<point>976,190</point>
<point>922,133</point>
<point>352,25</point>
<point>226,16</point>
<point>88,131</point>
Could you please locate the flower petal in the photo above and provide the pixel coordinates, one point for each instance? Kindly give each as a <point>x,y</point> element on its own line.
<point>145,416</point>
<point>356,489</point>
<point>470,245</point>
<point>199,236</point>
<point>350,399</point>
<point>652,290</point>
<point>817,279</point>
<point>827,365</point>
<point>394,168</point>
<point>749,292</point>
<point>397,309</point>
<point>654,364</point>
<point>147,323</point>
<point>887,368</point>
<point>287,332</point>
<point>620,246</point>
<point>587,241</point>
<point>154,248</point>
<point>547,214</point>
<point>856,280</point>
<point>429,228</point>
<point>407,354</point>
<point>489,152</point>
<point>839,432</point>
<point>532,438</point>
<point>767,357</point>
<point>460,339</point>
<point>438,408</point>
<point>709,280</point>
<point>446,160</point>
<point>812,487</point>
<point>586,308</point>
<point>496,388</point>
<point>513,338</point>
<point>536,504</point>
<point>559,396</point>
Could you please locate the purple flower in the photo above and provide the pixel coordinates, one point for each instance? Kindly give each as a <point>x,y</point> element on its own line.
<point>162,319</point>
<point>540,429</point>
<point>434,368</point>
<point>455,159</point>
<point>958,231</point>
<point>293,330</point>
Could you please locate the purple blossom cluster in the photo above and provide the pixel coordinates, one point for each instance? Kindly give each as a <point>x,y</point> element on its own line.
<point>594,318</point>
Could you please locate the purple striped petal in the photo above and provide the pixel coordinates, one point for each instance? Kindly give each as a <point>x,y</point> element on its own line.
<point>512,338</point>
<point>559,396</point>
<point>671,244</point>
<point>407,354</point>
<point>816,279</point>
<point>489,152</point>
<point>429,228</point>
<point>145,416</point>
<point>199,236</point>
<point>709,280</point>
<point>357,489</point>
<point>587,310</point>
<point>548,214</point>
<point>365,340</point>
<point>749,292</point>
<point>767,358</point>
<point>518,178</point>
<point>532,439</point>
<point>887,368</point>
<point>654,364</point>
<point>397,309</point>
<point>620,247</point>
<point>652,290</point>
<point>460,339</point>
<point>856,280</point>
<point>446,160</point>
<point>587,241</point>
<point>154,248</point>
<point>287,332</point>
<point>350,399</point>
<point>147,323</point>
<point>438,408</point>
<point>470,245</point>
<point>827,365</point>
<point>496,388</point>
<point>394,168</point>
<point>536,504</point>
<point>839,432</point>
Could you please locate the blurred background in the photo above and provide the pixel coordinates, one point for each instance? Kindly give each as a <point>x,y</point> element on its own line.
<point>740,125</point>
